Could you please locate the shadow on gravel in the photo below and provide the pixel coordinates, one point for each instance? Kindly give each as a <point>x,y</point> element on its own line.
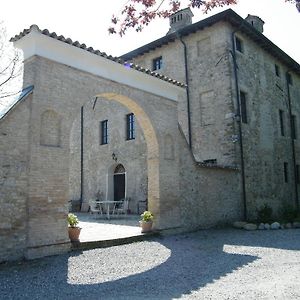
<point>196,260</point>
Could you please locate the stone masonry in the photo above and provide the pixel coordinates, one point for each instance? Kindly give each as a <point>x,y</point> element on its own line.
<point>188,185</point>
<point>213,101</point>
<point>37,157</point>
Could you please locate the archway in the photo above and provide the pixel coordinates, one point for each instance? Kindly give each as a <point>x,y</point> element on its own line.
<point>152,149</point>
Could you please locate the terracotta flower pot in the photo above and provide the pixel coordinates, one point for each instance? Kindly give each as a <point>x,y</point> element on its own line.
<point>74,233</point>
<point>146,226</point>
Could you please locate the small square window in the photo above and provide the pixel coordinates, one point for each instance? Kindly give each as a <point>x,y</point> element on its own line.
<point>157,63</point>
<point>277,70</point>
<point>239,45</point>
<point>104,132</point>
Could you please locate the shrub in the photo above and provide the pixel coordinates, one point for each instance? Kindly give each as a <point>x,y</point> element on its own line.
<point>72,220</point>
<point>147,216</point>
<point>264,214</point>
<point>289,213</point>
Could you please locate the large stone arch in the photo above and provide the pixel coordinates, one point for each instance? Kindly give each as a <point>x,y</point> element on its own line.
<point>49,170</point>
<point>153,151</point>
<point>46,193</point>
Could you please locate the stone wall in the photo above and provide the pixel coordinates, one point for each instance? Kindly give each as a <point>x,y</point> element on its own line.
<point>214,104</point>
<point>40,142</point>
<point>211,94</point>
<point>209,196</point>
<point>39,146</point>
<point>14,168</point>
<point>265,148</point>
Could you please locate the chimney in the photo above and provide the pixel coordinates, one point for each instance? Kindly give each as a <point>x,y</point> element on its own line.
<point>180,19</point>
<point>256,22</point>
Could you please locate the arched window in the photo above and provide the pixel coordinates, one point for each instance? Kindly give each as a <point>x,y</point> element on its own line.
<point>119,169</point>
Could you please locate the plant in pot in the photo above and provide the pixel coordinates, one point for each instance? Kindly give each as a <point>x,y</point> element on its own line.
<point>74,230</point>
<point>146,221</point>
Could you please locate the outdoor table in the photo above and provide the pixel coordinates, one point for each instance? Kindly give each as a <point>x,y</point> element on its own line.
<point>107,204</point>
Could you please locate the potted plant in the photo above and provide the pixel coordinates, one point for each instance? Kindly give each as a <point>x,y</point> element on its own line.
<point>74,230</point>
<point>146,221</point>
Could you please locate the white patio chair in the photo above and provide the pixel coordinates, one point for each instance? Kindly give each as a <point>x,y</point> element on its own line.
<point>123,207</point>
<point>95,208</point>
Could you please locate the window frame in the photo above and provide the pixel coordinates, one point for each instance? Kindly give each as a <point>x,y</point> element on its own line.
<point>289,78</point>
<point>104,132</point>
<point>239,45</point>
<point>281,122</point>
<point>130,127</point>
<point>277,71</point>
<point>157,63</point>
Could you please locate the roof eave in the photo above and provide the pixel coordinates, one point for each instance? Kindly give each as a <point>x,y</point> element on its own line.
<point>24,94</point>
<point>34,29</point>
<point>236,21</point>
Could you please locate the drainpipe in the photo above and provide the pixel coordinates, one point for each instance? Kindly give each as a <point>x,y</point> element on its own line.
<point>238,118</point>
<point>187,90</point>
<point>292,141</point>
<point>81,157</point>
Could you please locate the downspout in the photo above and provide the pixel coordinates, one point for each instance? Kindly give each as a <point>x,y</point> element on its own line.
<point>187,90</point>
<point>81,157</point>
<point>239,120</point>
<point>292,142</point>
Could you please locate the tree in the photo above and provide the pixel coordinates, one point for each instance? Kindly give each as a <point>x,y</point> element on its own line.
<point>139,13</point>
<point>11,68</point>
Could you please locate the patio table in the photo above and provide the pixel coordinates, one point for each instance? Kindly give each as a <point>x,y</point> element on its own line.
<point>107,204</point>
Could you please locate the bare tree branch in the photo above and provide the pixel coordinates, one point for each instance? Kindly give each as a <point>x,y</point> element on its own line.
<point>137,14</point>
<point>8,95</point>
<point>11,68</point>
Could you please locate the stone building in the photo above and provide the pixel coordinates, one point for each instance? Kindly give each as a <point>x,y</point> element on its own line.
<point>201,122</point>
<point>243,101</point>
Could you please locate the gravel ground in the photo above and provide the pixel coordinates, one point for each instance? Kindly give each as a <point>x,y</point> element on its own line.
<point>210,264</point>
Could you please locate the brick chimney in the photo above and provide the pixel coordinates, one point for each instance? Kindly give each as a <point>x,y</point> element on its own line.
<point>180,19</point>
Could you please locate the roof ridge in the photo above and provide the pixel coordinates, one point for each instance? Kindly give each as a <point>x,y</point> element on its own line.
<point>230,16</point>
<point>35,28</point>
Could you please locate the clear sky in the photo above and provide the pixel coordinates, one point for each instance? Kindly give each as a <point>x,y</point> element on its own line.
<point>87,21</point>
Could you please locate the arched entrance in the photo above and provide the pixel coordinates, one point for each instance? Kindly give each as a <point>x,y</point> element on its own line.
<point>119,182</point>
<point>81,76</point>
<point>153,157</point>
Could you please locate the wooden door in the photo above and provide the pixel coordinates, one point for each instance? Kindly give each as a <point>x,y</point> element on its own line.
<point>119,186</point>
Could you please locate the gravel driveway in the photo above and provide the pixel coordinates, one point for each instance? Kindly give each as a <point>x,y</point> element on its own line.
<point>209,264</point>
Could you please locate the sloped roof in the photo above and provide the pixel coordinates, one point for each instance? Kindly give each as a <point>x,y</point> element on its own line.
<point>16,100</point>
<point>228,16</point>
<point>96,52</point>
